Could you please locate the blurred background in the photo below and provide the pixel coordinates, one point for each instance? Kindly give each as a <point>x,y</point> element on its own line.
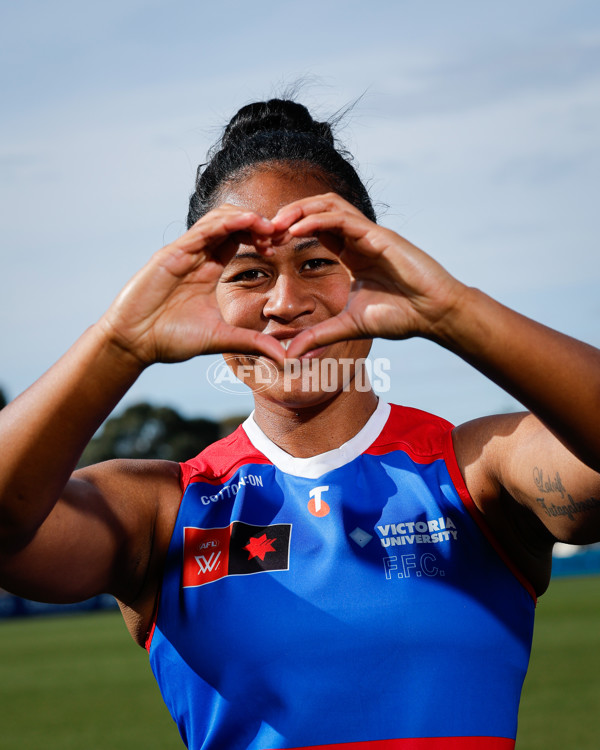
<point>476,128</point>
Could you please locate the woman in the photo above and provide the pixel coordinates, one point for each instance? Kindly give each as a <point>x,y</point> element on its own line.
<point>339,573</point>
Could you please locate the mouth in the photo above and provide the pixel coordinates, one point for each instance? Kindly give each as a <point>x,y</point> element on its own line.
<point>285,338</point>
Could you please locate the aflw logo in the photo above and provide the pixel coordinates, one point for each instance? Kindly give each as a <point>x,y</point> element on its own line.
<point>235,550</point>
<point>208,565</point>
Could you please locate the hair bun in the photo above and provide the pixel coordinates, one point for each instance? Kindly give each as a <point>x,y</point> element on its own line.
<point>273,115</point>
<point>276,132</point>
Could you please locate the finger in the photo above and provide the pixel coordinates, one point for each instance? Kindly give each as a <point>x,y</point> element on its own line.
<point>342,327</point>
<point>263,245</point>
<point>293,212</point>
<point>245,341</point>
<point>281,238</point>
<point>333,242</point>
<point>339,222</point>
<point>222,222</point>
<point>349,237</point>
<point>217,235</point>
<point>227,248</point>
<point>287,216</point>
<point>229,210</point>
<point>221,225</point>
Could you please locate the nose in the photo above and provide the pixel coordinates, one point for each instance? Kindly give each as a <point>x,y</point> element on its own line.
<point>288,298</point>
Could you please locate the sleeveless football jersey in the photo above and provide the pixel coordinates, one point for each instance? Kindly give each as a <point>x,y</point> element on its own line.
<point>354,599</point>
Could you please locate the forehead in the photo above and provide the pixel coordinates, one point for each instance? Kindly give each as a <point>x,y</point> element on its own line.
<point>267,190</point>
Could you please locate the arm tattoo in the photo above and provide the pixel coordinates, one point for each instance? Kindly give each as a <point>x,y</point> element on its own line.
<point>546,485</point>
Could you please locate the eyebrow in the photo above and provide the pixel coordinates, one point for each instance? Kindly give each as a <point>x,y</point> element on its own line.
<point>299,247</point>
<point>306,244</point>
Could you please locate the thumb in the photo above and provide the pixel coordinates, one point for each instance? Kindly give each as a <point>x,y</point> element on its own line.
<point>339,328</point>
<point>246,341</point>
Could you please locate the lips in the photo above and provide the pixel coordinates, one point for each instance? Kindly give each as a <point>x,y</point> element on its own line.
<point>285,343</point>
<point>285,338</point>
<point>314,353</point>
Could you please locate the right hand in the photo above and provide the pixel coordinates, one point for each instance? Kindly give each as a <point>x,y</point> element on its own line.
<point>168,311</point>
<point>397,292</point>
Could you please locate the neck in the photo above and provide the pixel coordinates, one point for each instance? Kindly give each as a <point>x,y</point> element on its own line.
<point>310,430</point>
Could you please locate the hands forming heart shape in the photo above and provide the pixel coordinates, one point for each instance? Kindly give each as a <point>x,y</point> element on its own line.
<point>169,311</point>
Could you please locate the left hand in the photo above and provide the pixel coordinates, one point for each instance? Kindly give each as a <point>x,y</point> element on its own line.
<point>397,291</point>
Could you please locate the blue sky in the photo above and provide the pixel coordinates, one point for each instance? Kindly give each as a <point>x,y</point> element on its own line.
<point>477,131</point>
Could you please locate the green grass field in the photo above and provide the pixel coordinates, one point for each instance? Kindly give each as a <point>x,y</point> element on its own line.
<point>560,708</point>
<point>79,682</point>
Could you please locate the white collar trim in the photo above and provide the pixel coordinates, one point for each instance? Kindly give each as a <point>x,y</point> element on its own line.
<point>315,466</point>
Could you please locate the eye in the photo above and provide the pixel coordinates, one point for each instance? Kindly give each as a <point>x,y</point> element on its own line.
<point>316,264</point>
<point>252,274</point>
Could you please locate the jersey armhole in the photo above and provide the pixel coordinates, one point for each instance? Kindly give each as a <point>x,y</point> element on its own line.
<point>185,472</point>
<point>477,515</point>
<point>152,628</point>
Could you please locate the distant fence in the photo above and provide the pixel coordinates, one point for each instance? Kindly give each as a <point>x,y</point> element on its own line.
<point>15,606</point>
<point>584,563</point>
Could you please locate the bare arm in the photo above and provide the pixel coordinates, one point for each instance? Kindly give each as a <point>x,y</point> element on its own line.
<point>399,291</point>
<point>65,538</point>
<point>98,536</point>
<point>531,489</point>
<point>555,376</point>
<point>534,477</point>
<point>44,431</point>
<point>521,470</point>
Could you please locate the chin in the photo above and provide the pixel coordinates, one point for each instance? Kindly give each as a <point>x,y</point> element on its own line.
<point>307,392</point>
<point>296,399</point>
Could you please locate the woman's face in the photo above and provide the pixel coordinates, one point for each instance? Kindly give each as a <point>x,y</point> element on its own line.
<point>300,285</point>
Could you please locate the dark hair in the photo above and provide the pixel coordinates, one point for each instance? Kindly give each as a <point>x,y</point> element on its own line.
<point>279,131</point>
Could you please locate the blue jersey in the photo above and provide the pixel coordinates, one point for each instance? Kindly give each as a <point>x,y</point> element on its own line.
<point>355,599</point>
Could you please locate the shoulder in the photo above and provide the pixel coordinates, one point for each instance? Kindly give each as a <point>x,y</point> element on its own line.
<point>142,497</point>
<point>490,450</point>
<point>493,455</point>
<point>146,479</point>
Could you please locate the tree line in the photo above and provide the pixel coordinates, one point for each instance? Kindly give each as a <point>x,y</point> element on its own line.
<point>147,431</point>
